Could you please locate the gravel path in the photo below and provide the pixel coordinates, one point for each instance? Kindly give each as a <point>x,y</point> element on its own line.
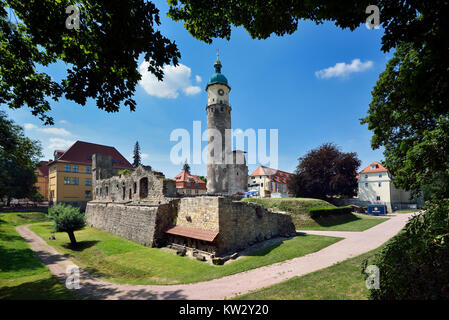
<point>353,244</point>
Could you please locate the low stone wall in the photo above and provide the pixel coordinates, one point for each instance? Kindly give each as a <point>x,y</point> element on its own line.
<point>141,223</point>
<point>242,224</point>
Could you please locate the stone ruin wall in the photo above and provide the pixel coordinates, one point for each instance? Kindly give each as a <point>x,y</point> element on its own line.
<point>239,224</point>
<point>144,224</point>
<point>138,206</point>
<point>242,224</point>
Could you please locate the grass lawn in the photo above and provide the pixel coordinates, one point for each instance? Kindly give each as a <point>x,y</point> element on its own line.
<point>407,211</point>
<point>352,222</point>
<point>22,274</point>
<point>119,260</point>
<point>300,208</point>
<point>342,281</point>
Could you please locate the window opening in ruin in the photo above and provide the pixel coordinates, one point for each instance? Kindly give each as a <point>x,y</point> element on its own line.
<point>143,188</point>
<point>135,187</point>
<point>123,193</point>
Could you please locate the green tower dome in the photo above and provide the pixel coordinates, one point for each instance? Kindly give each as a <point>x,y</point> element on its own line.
<point>217,77</point>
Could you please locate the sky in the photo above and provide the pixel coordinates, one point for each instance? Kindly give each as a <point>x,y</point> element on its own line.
<point>312,86</point>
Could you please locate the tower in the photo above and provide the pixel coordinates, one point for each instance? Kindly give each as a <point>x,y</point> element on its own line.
<point>221,160</point>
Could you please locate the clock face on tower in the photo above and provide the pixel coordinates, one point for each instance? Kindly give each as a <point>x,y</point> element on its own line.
<point>220,92</point>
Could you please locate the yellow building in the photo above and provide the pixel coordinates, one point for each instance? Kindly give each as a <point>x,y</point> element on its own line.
<point>70,173</point>
<point>42,179</point>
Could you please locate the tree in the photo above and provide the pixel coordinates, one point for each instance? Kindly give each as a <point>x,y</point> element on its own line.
<point>325,172</point>
<point>414,264</point>
<point>19,157</point>
<point>67,219</point>
<point>186,167</point>
<point>409,115</point>
<point>263,18</point>
<point>101,56</point>
<point>136,155</point>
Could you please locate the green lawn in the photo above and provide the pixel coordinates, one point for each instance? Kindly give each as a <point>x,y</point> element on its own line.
<point>122,261</point>
<point>407,211</point>
<point>352,222</point>
<point>342,281</point>
<point>300,208</point>
<point>22,274</point>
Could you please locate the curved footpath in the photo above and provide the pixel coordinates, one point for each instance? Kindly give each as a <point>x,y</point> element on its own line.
<point>353,244</point>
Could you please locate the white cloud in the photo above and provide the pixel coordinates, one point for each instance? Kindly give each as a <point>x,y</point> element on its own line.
<point>192,90</point>
<point>53,131</point>
<point>175,79</point>
<point>342,69</point>
<point>198,79</point>
<point>59,143</point>
<point>144,155</point>
<point>29,126</point>
<point>63,121</point>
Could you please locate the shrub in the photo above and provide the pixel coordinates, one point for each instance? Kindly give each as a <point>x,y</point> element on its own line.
<point>324,212</point>
<point>67,219</point>
<point>415,263</point>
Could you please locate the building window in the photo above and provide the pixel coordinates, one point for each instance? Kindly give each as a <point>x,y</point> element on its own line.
<point>66,180</point>
<point>66,168</point>
<point>75,181</point>
<point>380,175</point>
<point>366,176</point>
<point>196,184</point>
<point>87,194</point>
<point>135,187</point>
<point>88,170</point>
<point>373,166</point>
<point>188,184</point>
<point>196,191</point>
<point>89,158</point>
<point>88,182</point>
<point>380,184</point>
<point>378,198</point>
<point>366,184</point>
<point>107,190</point>
<point>75,169</point>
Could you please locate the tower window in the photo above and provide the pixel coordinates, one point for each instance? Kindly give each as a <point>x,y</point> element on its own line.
<point>221,109</point>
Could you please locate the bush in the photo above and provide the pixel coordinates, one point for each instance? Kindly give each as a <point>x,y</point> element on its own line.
<point>325,212</point>
<point>67,219</point>
<point>415,263</point>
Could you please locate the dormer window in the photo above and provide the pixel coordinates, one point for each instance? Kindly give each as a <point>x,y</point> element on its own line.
<point>374,166</point>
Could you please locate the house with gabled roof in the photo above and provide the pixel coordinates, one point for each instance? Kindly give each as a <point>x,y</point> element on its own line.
<point>189,184</point>
<point>268,181</point>
<point>70,172</point>
<point>375,186</point>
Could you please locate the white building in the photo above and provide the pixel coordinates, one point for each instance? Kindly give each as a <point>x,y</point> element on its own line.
<point>269,182</point>
<point>376,187</point>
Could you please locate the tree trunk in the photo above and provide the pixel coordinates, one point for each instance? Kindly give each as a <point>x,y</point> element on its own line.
<point>8,201</point>
<point>72,238</point>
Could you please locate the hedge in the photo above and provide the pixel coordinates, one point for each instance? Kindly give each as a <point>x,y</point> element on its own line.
<point>324,212</point>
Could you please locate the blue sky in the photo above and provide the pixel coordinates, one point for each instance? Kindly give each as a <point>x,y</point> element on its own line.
<point>306,85</point>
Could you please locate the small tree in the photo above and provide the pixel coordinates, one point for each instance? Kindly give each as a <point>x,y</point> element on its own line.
<point>67,219</point>
<point>136,156</point>
<point>186,167</point>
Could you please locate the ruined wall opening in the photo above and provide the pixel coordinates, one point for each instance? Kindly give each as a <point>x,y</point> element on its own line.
<point>143,188</point>
<point>123,193</point>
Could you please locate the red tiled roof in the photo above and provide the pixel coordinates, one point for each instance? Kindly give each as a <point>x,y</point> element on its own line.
<point>193,233</point>
<point>43,168</point>
<point>81,152</point>
<point>379,168</point>
<point>185,177</point>
<point>273,174</point>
